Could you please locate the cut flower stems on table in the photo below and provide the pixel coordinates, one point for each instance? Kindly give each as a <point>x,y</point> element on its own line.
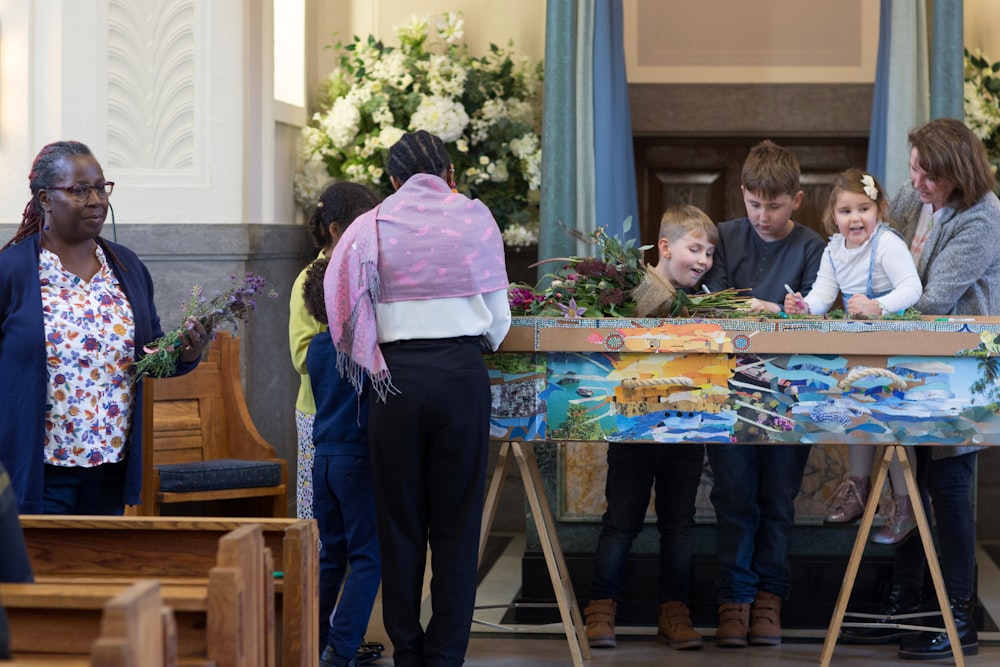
<point>233,306</point>
<point>605,285</point>
<point>616,282</point>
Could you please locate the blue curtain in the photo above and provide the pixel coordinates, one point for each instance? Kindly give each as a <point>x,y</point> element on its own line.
<point>902,97</point>
<point>588,170</point>
<point>948,61</point>
<point>880,96</point>
<point>614,164</point>
<point>558,192</point>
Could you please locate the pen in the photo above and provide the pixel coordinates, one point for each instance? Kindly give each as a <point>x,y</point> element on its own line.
<point>797,299</point>
<point>954,319</point>
<point>704,288</point>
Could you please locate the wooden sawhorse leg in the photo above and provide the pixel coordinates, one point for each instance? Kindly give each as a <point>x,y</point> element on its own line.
<point>854,562</point>
<point>569,611</point>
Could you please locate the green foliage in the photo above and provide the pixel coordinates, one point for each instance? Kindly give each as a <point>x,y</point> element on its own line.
<point>233,306</point>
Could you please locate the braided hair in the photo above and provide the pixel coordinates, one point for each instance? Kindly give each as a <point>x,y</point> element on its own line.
<point>417,152</point>
<point>339,205</point>
<point>45,171</point>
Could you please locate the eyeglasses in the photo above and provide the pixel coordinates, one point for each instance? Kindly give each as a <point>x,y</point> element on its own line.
<point>81,193</point>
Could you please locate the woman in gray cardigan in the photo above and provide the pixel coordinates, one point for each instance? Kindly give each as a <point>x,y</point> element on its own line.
<point>950,218</point>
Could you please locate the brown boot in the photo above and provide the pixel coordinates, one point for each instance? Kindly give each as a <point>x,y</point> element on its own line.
<point>600,619</point>
<point>676,629</point>
<point>733,621</point>
<point>765,620</point>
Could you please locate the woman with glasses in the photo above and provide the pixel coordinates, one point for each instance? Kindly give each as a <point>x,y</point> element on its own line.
<point>75,312</point>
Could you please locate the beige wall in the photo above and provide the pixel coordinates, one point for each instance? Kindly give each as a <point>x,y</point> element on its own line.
<point>982,27</point>
<point>766,41</point>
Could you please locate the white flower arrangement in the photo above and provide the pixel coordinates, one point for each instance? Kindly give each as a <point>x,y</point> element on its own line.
<point>982,102</point>
<point>485,109</point>
<point>517,235</point>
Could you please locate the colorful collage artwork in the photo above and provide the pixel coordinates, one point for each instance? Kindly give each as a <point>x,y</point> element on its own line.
<point>683,383</point>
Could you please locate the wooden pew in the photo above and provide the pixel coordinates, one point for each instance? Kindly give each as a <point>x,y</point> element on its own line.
<point>200,442</point>
<point>133,627</point>
<point>221,609</point>
<point>105,547</point>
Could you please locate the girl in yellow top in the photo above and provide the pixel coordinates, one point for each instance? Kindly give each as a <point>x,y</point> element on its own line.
<point>337,207</point>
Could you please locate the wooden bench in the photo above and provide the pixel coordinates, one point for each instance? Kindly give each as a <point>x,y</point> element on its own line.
<point>132,627</point>
<point>224,611</point>
<point>203,446</point>
<point>171,548</point>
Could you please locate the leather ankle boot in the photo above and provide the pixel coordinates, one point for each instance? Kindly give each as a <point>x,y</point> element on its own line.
<point>900,523</point>
<point>899,599</point>
<point>848,501</point>
<point>675,627</point>
<point>931,645</point>
<point>765,620</point>
<point>733,623</point>
<point>599,617</point>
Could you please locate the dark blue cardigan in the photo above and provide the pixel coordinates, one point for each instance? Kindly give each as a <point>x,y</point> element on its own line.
<point>24,375</point>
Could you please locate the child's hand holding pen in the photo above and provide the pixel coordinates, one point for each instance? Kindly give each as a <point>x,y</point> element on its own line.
<point>794,303</point>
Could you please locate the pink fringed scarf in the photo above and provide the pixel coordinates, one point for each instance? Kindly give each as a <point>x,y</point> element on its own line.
<point>423,242</point>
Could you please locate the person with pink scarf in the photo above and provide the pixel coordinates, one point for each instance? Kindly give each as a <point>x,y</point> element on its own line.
<point>416,290</point>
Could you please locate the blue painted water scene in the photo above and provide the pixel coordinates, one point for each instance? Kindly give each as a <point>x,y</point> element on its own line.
<point>626,396</point>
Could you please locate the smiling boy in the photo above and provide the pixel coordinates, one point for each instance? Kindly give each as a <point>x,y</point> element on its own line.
<point>686,246</point>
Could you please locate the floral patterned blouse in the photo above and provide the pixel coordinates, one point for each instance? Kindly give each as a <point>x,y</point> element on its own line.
<point>89,341</point>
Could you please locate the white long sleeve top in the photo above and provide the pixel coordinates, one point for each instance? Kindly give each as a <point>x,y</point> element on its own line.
<point>481,314</point>
<point>845,270</point>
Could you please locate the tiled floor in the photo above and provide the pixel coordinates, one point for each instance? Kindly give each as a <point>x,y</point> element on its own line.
<point>494,644</point>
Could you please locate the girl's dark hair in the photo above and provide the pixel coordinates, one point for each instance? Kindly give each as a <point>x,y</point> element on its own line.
<point>948,150</point>
<point>312,289</point>
<point>339,205</point>
<point>417,152</point>
<point>45,171</point>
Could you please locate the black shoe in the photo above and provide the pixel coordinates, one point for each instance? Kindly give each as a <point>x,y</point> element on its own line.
<point>366,656</point>
<point>931,645</point>
<point>898,600</point>
<point>371,646</point>
<point>331,659</point>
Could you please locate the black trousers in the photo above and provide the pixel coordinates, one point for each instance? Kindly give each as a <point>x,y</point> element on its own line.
<point>429,448</point>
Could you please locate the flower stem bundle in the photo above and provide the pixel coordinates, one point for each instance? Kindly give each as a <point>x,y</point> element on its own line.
<point>233,306</point>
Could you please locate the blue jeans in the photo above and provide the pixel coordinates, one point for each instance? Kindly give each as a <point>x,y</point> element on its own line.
<point>344,507</point>
<point>78,490</point>
<point>754,496</point>
<point>633,469</point>
<point>947,484</point>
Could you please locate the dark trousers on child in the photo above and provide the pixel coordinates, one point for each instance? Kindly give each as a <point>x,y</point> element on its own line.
<point>674,471</point>
<point>429,446</point>
<point>344,507</point>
